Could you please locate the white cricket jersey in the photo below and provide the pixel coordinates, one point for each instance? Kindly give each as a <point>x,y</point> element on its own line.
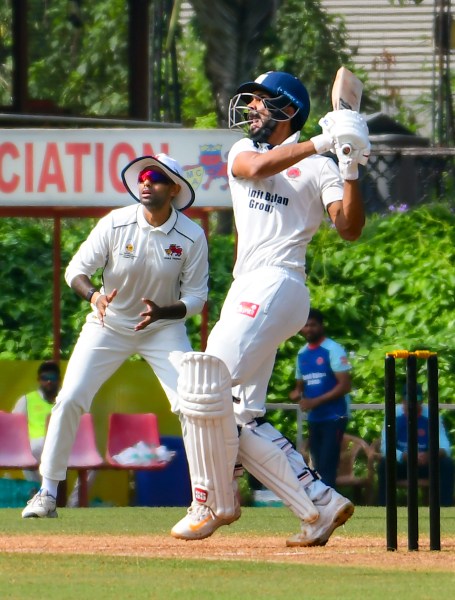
<point>164,264</point>
<point>277,216</point>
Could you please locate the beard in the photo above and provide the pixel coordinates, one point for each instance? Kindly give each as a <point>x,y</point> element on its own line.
<point>262,135</point>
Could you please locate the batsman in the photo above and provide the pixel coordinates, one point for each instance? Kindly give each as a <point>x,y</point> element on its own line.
<point>281,190</point>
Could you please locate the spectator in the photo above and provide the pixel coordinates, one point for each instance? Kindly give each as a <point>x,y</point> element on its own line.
<point>37,406</point>
<point>322,389</point>
<point>446,465</point>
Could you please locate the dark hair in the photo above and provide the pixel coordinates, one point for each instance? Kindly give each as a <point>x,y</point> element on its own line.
<point>419,392</point>
<point>49,366</point>
<point>316,315</point>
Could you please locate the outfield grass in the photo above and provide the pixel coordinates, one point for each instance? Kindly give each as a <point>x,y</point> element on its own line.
<point>44,575</point>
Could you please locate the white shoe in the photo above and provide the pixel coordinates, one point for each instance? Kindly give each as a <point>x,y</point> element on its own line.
<point>41,505</point>
<point>334,510</point>
<point>200,522</point>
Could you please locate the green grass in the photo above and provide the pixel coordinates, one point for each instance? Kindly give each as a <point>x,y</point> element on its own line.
<point>65,577</point>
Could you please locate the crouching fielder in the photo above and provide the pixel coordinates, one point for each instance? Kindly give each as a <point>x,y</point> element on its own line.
<point>281,189</point>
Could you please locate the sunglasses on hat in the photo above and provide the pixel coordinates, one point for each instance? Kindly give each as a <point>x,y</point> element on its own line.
<point>153,176</point>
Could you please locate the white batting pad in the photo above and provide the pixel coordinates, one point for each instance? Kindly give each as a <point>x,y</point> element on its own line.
<point>209,430</point>
<point>269,464</point>
<point>304,474</point>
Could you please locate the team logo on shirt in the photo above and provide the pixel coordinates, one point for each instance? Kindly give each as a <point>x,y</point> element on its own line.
<point>174,251</point>
<point>249,309</point>
<point>128,251</point>
<point>319,360</point>
<point>293,172</point>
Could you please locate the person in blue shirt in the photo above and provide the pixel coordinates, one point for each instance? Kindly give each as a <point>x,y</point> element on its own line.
<point>323,383</point>
<point>446,465</point>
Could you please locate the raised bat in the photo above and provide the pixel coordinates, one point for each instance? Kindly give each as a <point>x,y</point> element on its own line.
<point>346,90</point>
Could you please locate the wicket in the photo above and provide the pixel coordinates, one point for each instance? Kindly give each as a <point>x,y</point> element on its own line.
<point>433,440</point>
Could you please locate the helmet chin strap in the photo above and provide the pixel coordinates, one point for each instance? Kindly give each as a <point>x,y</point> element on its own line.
<point>262,135</point>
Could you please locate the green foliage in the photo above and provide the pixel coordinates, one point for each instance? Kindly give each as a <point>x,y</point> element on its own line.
<point>6,63</point>
<point>198,105</point>
<point>82,69</point>
<point>392,289</point>
<point>26,302</point>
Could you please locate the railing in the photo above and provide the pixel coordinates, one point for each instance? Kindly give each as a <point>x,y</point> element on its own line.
<point>400,178</point>
<point>301,415</point>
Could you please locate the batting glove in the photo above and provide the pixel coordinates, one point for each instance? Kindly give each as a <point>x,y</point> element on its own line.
<point>350,132</point>
<point>323,143</point>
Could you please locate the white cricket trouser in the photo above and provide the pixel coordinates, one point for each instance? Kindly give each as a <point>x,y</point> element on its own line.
<point>262,309</point>
<point>98,353</point>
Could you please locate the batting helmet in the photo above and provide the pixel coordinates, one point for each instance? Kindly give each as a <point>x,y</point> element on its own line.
<point>279,83</point>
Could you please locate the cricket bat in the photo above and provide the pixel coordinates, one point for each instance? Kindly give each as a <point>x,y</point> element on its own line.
<point>346,90</point>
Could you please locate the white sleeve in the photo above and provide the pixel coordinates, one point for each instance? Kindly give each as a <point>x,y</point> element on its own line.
<point>21,406</point>
<point>331,183</point>
<point>93,253</point>
<point>194,280</point>
<point>243,145</point>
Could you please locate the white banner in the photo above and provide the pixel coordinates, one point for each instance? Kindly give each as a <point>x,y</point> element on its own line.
<point>81,167</point>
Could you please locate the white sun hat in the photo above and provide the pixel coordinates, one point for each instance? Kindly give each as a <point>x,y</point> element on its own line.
<point>185,197</point>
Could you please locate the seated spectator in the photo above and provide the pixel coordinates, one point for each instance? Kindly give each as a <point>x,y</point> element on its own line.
<point>446,464</point>
<point>37,406</point>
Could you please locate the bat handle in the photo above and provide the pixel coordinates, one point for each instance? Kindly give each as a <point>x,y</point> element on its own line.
<point>346,149</point>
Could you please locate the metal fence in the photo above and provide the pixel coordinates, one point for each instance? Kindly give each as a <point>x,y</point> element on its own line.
<point>301,416</point>
<point>396,179</point>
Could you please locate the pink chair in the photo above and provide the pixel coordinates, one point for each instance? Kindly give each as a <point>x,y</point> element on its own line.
<point>15,451</point>
<point>84,455</point>
<point>126,430</point>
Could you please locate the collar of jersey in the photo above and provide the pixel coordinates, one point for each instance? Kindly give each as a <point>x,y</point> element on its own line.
<point>292,139</point>
<point>315,345</point>
<point>166,227</point>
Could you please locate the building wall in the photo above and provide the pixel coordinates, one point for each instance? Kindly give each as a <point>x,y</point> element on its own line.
<point>395,44</point>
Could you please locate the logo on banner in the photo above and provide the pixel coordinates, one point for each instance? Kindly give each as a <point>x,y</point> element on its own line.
<point>211,164</point>
<point>249,309</point>
<point>194,174</point>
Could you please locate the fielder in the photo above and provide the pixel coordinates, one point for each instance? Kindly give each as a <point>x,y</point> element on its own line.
<point>281,189</point>
<point>155,271</point>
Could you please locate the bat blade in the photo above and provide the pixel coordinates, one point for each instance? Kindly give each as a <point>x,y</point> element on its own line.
<point>346,90</point>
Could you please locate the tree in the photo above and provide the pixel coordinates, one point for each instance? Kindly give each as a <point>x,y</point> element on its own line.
<point>232,32</point>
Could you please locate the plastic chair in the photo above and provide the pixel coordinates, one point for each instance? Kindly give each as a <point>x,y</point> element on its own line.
<point>15,451</point>
<point>125,431</point>
<point>355,469</point>
<point>85,456</point>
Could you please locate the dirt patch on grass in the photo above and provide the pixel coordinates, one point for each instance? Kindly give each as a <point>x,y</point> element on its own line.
<point>341,551</point>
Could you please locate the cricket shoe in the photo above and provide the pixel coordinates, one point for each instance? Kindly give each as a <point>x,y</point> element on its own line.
<point>41,505</point>
<point>200,522</point>
<point>334,510</point>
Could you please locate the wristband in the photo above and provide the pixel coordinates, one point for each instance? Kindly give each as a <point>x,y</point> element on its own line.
<point>89,294</point>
